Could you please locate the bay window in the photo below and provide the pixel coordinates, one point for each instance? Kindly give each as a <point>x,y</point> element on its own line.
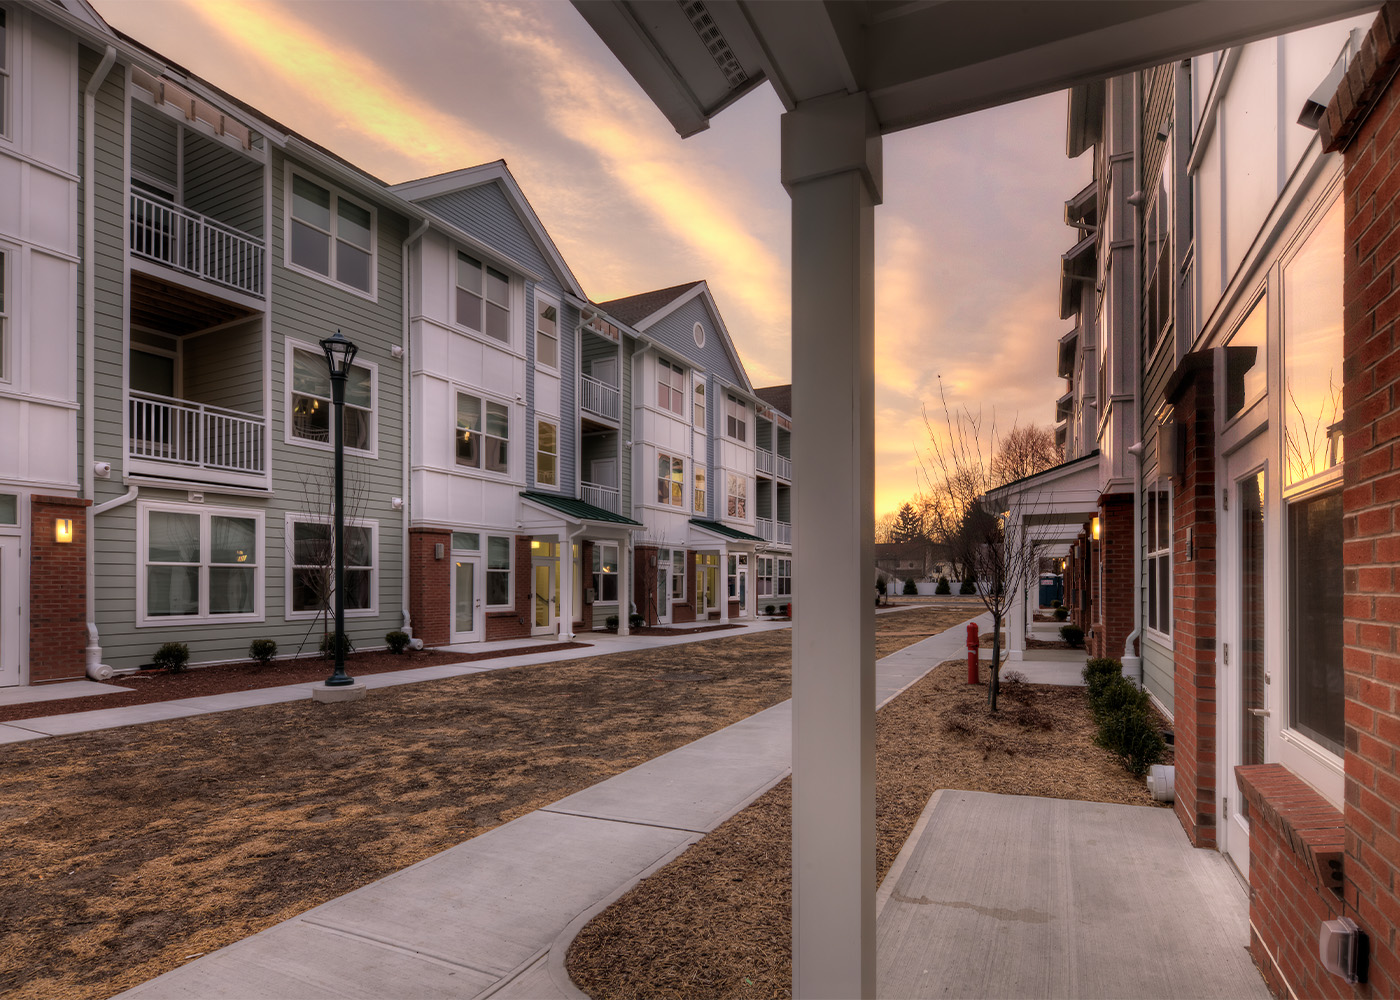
<point>199,564</point>
<point>483,434</point>
<point>670,480</point>
<point>483,298</point>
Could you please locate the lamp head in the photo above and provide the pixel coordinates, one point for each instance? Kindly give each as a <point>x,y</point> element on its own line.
<point>339,353</point>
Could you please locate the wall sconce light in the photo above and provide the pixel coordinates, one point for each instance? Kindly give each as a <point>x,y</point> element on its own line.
<point>396,351</point>
<point>1095,530</point>
<point>396,503</point>
<point>63,530</point>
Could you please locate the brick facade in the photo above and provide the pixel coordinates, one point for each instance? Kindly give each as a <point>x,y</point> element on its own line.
<point>1115,553</point>
<point>57,591</point>
<point>684,611</point>
<point>515,624</point>
<point>585,556</point>
<point>644,578</point>
<point>430,585</point>
<point>1194,602</point>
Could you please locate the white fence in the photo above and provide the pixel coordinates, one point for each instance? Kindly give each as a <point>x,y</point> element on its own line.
<point>599,397</point>
<point>193,434</point>
<point>187,241</point>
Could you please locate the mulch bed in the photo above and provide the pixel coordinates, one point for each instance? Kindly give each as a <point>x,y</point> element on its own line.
<point>717,921</point>
<point>156,685</point>
<point>1051,644</point>
<point>130,851</point>
<point>679,629</point>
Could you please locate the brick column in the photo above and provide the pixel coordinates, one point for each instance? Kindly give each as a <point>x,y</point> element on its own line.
<point>430,585</point>
<point>57,590</point>
<point>515,624</point>
<point>1194,601</point>
<point>644,579</point>
<point>1113,613</point>
<point>685,612</point>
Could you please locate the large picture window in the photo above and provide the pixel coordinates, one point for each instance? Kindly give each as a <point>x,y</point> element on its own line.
<point>312,410</point>
<point>203,564</point>
<point>331,235</point>
<point>670,387</point>
<point>546,453</point>
<point>738,504</point>
<point>483,434</point>
<point>312,587</point>
<point>1316,696</point>
<point>483,298</point>
<point>1159,561</point>
<point>670,480</point>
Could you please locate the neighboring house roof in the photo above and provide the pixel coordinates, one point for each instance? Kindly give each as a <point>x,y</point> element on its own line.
<point>1044,476</point>
<point>576,510</point>
<point>724,530</point>
<point>777,396</point>
<point>632,309</point>
<point>647,308</point>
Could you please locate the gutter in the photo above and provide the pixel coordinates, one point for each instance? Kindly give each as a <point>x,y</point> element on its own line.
<point>95,668</point>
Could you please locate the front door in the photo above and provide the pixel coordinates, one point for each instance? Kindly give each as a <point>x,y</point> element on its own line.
<point>1242,668</point>
<point>466,598</point>
<point>11,614</point>
<point>663,587</point>
<point>545,584</point>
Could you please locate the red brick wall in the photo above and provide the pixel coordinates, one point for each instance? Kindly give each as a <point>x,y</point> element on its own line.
<point>1113,609</point>
<point>430,585</point>
<point>685,611</point>
<point>585,555</point>
<point>515,624</point>
<point>1193,609</point>
<point>57,591</point>
<point>644,579</point>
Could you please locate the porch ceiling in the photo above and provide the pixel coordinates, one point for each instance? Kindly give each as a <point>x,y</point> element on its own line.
<point>176,310</point>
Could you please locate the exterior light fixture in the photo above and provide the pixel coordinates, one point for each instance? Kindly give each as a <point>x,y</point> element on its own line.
<point>339,354</point>
<point>63,530</point>
<point>1095,528</point>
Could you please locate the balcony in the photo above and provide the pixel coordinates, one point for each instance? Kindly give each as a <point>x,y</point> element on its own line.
<point>783,466</point>
<point>605,497</point>
<point>765,460</point>
<point>168,436</point>
<point>599,398</point>
<point>195,244</point>
<point>764,526</point>
<point>784,534</point>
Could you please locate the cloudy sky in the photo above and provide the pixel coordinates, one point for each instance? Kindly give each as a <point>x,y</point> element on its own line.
<point>968,239</point>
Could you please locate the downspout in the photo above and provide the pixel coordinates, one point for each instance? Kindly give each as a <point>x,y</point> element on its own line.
<point>413,238</point>
<point>95,667</point>
<point>1132,663</point>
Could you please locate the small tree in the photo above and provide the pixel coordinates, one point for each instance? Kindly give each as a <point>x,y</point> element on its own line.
<point>313,555</point>
<point>908,525</point>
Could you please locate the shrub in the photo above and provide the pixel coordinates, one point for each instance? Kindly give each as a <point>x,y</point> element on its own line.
<point>967,587</point>
<point>881,587</point>
<point>1133,735</point>
<point>1061,614</point>
<point>769,610</point>
<point>172,657</point>
<point>1012,677</point>
<point>611,623</point>
<point>943,586</point>
<point>1118,695</point>
<point>636,621</point>
<point>1072,634</point>
<point>397,641</point>
<point>328,645</point>
<point>262,650</point>
<point>1056,603</point>
<point>1098,673</point>
<point>910,587</point>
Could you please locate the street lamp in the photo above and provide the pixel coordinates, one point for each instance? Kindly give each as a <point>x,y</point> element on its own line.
<point>339,353</point>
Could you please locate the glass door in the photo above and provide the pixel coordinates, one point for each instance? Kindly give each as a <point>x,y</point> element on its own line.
<point>10,612</point>
<point>544,579</point>
<point>663,586</point>
<point>466,598</point>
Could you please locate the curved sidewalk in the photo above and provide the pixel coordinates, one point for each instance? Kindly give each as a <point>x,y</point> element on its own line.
<point>492,916</point>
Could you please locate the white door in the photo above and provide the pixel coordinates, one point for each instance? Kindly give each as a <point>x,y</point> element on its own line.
<point>605,370</point>
<point>663,587</point>
<point>604,472</point>
<point>1242,662</point>
<point>11,611</point>
<point>466,598</point>
<point>545,578</point>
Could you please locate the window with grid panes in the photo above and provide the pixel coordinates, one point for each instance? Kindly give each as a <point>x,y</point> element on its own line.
<point>331,234</point>
<point>736,419</point>
<point>1159,561</point>
<point>670,480</point>
<point>312,404</point>
<point>483,298</point>
<point>483,434</point>
<point>670,387</point>
<point>547,454</point>
<point>546,335</point>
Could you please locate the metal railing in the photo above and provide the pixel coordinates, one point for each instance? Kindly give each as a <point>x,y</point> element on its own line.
<point>600,496</point>
<point>765,527</point>
<point>765,460</point>
<point>599,397</point>
<point>784,533</point>
<point>187,241</point>
<point>193,434</point>
<point>784,468</point>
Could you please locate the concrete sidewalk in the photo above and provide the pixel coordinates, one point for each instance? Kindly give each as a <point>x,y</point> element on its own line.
<point>493,916</point>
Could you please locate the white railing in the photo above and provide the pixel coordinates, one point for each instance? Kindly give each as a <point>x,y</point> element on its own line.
<point>193,434</point>
<point>599,397</point>
<point>784,533</point>
<point>187,241</point>
<point>765,527</point>
<point>784,467</point>
<point>600,496</point>
<point>765,460</point>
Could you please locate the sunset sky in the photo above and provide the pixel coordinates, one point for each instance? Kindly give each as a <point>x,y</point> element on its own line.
<point>967,241</point>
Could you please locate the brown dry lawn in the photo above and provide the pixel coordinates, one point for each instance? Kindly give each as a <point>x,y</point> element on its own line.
<point>717,921</point>
<point>129,851</point>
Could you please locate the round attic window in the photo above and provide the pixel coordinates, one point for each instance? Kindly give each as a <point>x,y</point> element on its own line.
<point>699,335</point>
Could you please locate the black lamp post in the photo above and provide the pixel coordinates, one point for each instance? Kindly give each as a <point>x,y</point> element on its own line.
<point>339,353</point>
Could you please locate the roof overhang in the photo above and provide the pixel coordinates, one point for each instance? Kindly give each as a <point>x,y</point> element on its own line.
<point>724,531</point>
<point>1082,211</point>
<point>577,511</point>
<point>1085,118</point>
<point>1068,347</point>
<point>1077,266</point>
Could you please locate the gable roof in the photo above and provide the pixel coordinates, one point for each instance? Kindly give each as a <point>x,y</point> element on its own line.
<point>777,396</point>
<point>577,510</point>
<point>724,530</point>
<point>663,302</point>
<point>487,173</point>
<point>632,309</point>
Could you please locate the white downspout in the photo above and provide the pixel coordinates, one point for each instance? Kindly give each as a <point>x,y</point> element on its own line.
<point>407,285</point>
<point>96,669</point>
<point>1132,663</point>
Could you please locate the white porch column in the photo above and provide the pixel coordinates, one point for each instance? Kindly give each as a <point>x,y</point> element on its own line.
<point>723,583</point>
<point>831,168</point>
<point>1017,620</point>
<point>624,583</point>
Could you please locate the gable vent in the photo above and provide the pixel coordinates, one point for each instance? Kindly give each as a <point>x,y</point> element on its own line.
<point>711,37</point>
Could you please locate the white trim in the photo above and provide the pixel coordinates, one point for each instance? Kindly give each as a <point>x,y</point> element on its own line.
<point>291,170</point>
<point>486,571</point>
<point>8,103</point>
<point>553,422</point>
<point>144,508</point>
<point>292,518</point>
<point>290,345</point>
<point>480,470</point>
<point>515,304</point>
<point>542,300</point>
<point>8,253</point>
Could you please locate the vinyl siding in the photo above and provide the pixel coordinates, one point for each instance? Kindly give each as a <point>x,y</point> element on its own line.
<point>677,332</point>
<point>225,368</point>
<point>155,139</point>
<point>485,212</point>
<point>223,184</point>
<point>624,467</point>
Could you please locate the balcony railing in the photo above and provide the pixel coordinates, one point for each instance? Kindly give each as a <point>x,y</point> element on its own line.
<point>784,467</point>
<point>193,434</point>
<point>195,244</point>
<point>765,461</point>
<point>600,496</point>
<point>784,533</point>
<point>765,527</point>
<point>599,398</point>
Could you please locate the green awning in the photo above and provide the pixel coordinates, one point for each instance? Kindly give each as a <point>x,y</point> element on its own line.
<point>577,510</point>
<point>725,530</point>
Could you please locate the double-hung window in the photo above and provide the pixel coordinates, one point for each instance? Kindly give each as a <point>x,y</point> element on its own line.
<point>546,453</point>
<point>498,556</point>
<point>1157,257</point>
<point>331,235</point>
<point>699,405</point>
<point>1159,561</point>
<point>784,577</point>
<point>738,504</point>
<point>699,491</point>
<point>670,480</point>
<point>483,298</point>
<point>312,586</point>
<point>678,575</point>
<point>483,434</point>
<point>736,418</point>
<point>546,334</point>
<point>765,576</point>
<point>605,572</point>
<point>4,77</point>
<point>4,260</point>
<point>310,419</point>
<point>200,564</point>
<point>670,387</point>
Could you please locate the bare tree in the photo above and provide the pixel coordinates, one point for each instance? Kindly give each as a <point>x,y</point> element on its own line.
<point>310,542</point>
<point>884,526</point>
<point>1023,452</point>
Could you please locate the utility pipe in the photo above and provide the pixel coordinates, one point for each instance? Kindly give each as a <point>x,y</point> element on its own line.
<point>94,651</point>
<point>407,295</point>
<point>1132,663</point>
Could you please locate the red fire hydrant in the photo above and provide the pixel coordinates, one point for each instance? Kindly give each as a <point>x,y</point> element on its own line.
<point>973,649</point>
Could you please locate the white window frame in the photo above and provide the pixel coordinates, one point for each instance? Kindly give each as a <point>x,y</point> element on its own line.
<point>7,297</point>
<point>512,305</point>
<point>206,514</point>
<point>289,393</point>
<point>736,418</point>
<point>701,403</point>
<point>668,373</point>
<point>1152,557</point>
<point>293,519</point>
<point>739,511</point>
<point>764,571</point>
<point>600,573</point>
<point>539,450</point>
<point>670,460</point>
<point>543,302</point>
<point>699,334</point>
<point>783,572</point>
<point>487,570</point>
<point>337,194</point>
<point>483,398</point>
<point>678,575</point>
<point>700,499</point>
<point>6,117</point>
